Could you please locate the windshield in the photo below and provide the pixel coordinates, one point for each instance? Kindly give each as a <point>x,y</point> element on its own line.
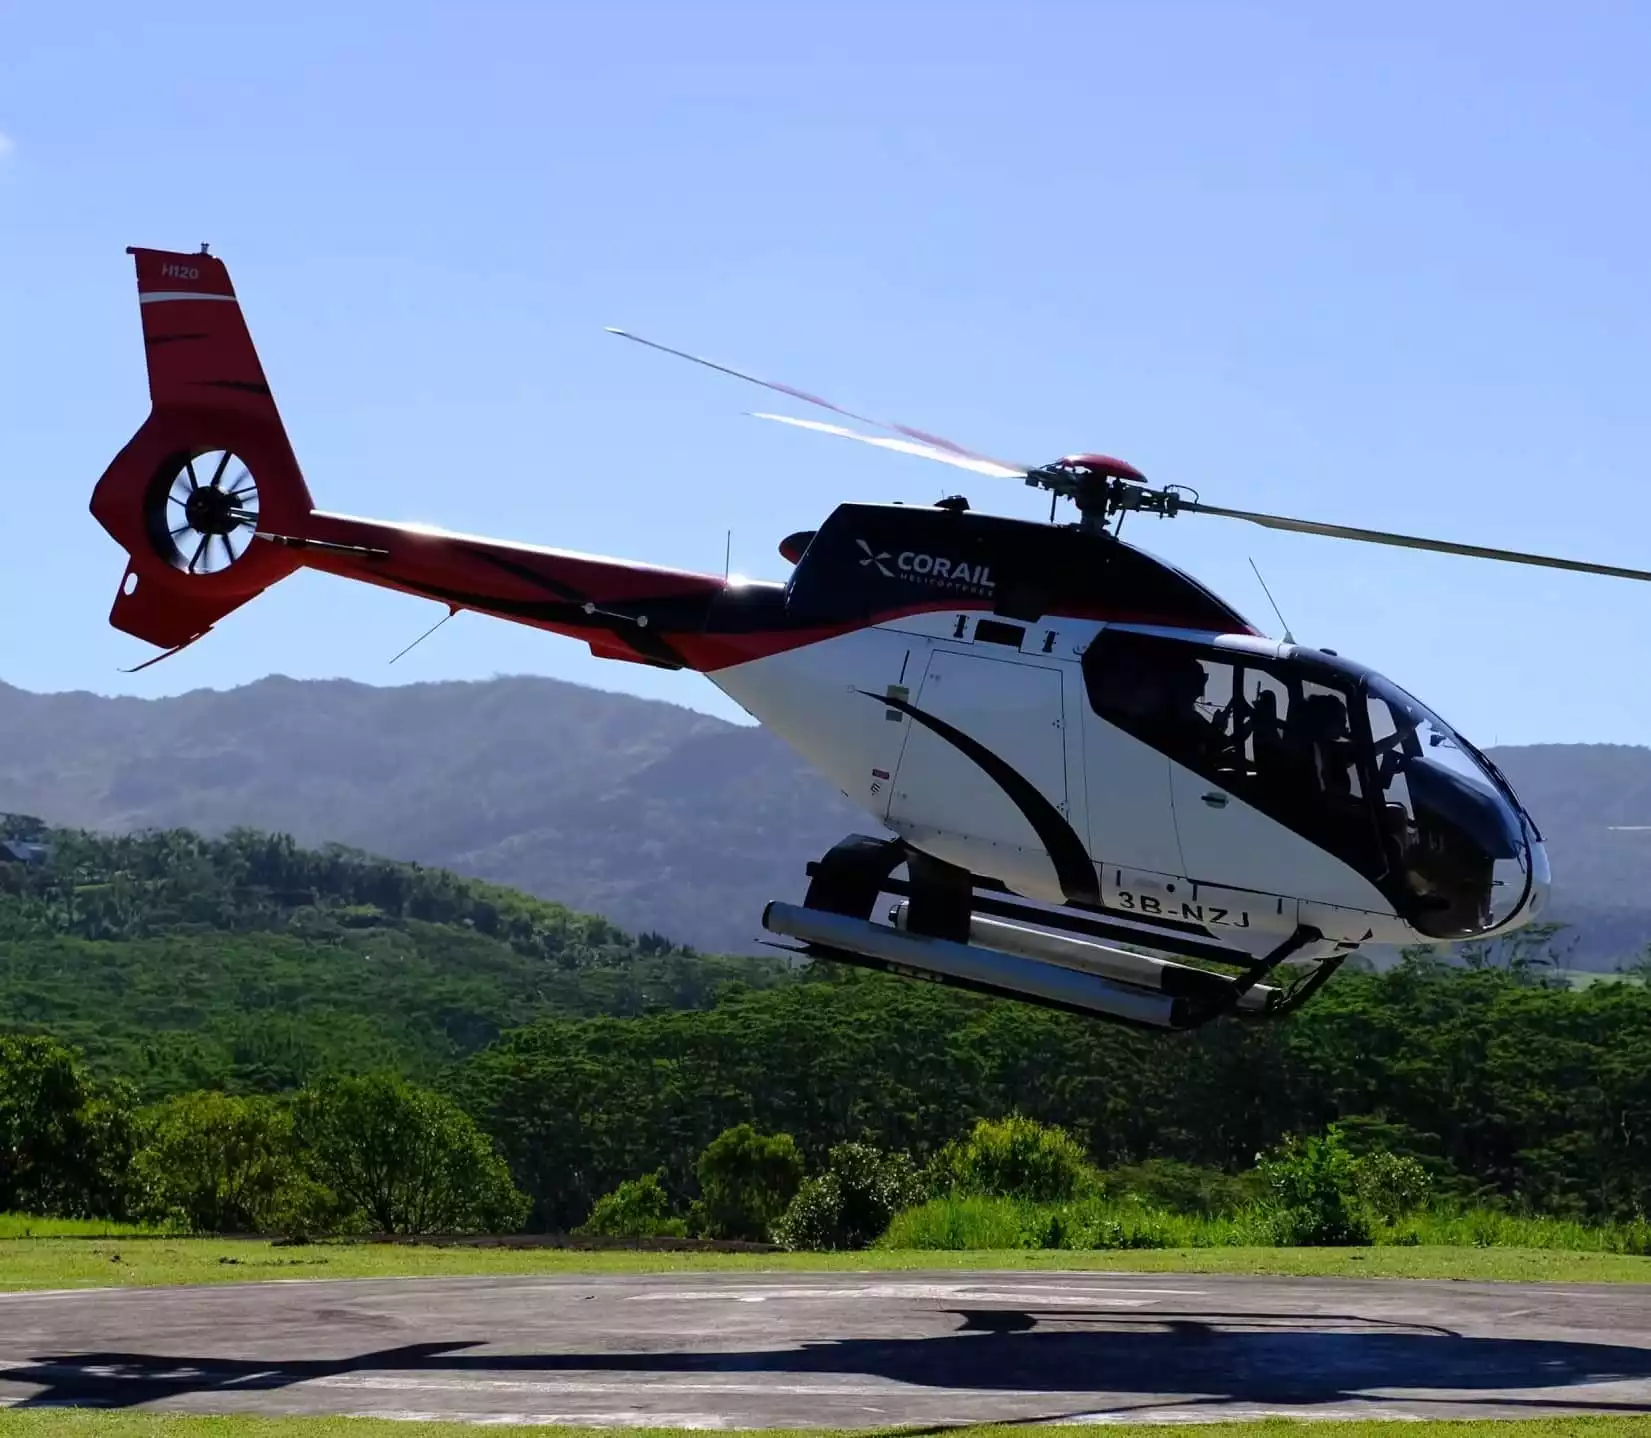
<point>1452,826</point>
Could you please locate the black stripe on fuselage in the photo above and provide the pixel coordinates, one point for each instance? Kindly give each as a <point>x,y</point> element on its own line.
<point>1074,870</point>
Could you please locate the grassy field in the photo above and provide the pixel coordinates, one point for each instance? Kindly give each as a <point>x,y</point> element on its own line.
<point>15,1424</point>
<point>98,1263</point>
<point>23,1225</point>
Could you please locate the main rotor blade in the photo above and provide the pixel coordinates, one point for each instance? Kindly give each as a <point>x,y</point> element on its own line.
<point>935,441</point>
<point>902,446</point>
<point>1406,541</point>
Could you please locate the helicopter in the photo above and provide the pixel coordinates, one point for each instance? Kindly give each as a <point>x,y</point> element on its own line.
<point>1108,791</point>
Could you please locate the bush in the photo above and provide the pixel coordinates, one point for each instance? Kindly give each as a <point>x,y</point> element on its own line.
<point>1178,1187</point>
<point>209,1163</point>
<point>1089,1225</point>
<point>852,1202</point>
<point>304,1208</point>
<point>958,1222</point>
<point>746,1180</point>
<point>1391,1186</point>
<point>638,1208</point>
<point>1017,1157</point>
<point>962,1222</point>
<point>404,1159</point>
<point>1311,1199</point>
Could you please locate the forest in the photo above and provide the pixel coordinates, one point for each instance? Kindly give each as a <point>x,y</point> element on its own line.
<point>240,1033</point>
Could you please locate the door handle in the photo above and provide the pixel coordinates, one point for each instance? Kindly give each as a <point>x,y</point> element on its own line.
<point>1215,799</point>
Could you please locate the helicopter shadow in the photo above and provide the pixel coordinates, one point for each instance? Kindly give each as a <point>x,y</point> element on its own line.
<point>1281,1360</point>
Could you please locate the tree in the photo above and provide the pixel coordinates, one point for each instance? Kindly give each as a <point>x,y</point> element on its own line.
<point>410,1161</point>
<point>746,1179</point>
<point>65,1144</point>
<point>215,1164</point>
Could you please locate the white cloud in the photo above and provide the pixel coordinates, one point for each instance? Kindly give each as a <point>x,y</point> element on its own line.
<point>6,144</point>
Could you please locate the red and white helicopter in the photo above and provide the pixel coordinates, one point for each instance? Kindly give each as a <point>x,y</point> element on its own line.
<point>1109,792</point>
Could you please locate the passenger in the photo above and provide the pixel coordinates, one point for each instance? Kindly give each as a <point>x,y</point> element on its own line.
<point>1322,734</point>
<point>1266,738</point>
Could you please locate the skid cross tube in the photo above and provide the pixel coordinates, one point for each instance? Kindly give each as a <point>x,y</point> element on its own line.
<point>1304,935</point>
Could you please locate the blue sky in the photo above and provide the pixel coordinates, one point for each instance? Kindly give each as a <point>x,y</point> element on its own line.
<point>1377,265</point>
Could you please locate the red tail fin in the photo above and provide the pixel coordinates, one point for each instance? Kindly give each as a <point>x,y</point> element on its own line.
<point>208,469</point>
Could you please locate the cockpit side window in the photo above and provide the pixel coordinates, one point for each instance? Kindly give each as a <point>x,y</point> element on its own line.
<point>1289,744</point>
<point>1345,759</point>
<point>1176,697</point>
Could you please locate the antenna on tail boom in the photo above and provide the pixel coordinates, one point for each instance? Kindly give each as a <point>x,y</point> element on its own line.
<point>452,609</point>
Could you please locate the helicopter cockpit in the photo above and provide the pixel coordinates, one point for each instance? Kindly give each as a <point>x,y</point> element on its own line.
<point>1338,754</point>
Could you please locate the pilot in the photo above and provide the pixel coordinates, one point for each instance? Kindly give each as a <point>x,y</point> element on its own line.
<point>1184,681</point>
<point>1157,691</point>
<point>1133,685</point>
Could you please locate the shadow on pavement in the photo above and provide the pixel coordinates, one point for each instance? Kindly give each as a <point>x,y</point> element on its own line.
<point>1273,1359</point>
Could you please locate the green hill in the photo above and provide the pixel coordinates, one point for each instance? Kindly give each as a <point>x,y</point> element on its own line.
<point>591,1057</point>
<point>248,962</point>
<point>648,813</point>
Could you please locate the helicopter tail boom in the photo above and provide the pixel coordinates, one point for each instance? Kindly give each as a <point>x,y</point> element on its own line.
<point>211,507</point>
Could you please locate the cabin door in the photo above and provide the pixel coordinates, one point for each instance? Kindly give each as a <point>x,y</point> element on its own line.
<point>984,760</point>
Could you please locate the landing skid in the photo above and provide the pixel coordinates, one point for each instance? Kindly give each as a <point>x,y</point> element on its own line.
<point>943,930</point>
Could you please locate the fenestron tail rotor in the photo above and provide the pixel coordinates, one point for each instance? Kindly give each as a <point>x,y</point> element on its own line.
<point>204,513</point>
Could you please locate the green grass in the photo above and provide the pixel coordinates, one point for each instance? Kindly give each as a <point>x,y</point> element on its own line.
<point>1483,1228</point>
<point>100,1263</point>
<point>25,1225</point>
<point>15,1424</point>
<point>968,1223</point>
<point>973,1222</point>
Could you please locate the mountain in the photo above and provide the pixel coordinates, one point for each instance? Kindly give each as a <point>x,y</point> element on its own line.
<point>659,818</point>
<point>1593,805</point>
<point>654,816</point>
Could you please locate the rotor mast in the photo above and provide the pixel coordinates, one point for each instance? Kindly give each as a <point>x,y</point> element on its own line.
<point>1101,487</point>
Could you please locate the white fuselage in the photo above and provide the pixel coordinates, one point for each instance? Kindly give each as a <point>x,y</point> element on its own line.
<point>1164,842</point>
